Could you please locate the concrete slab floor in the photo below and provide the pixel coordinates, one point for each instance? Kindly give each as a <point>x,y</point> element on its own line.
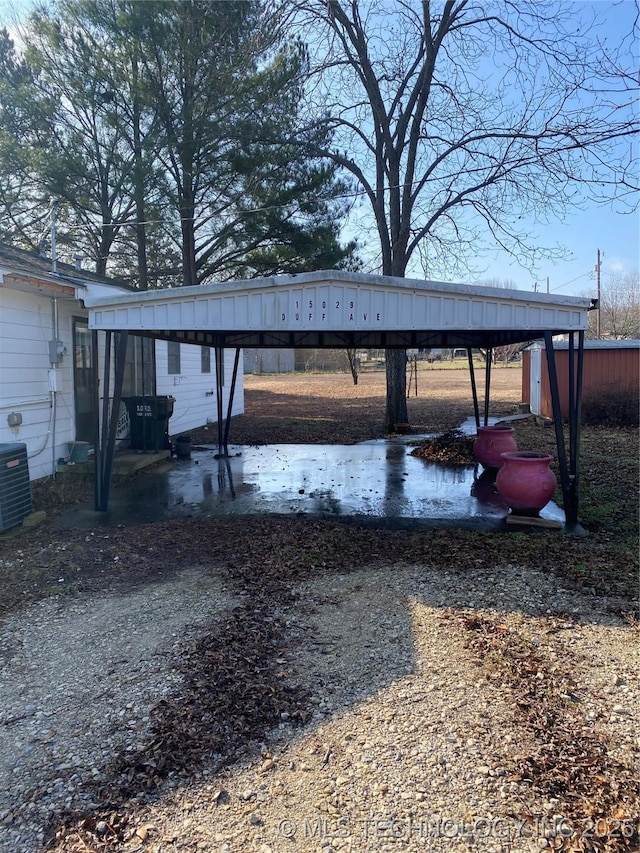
<point>376,482</point>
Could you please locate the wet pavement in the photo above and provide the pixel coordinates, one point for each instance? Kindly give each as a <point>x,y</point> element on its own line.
<point>376,482</point>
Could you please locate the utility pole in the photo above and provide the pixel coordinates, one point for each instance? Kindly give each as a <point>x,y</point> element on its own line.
<point>597,268</point>
<point>54,250</point>
<point>547,284</point>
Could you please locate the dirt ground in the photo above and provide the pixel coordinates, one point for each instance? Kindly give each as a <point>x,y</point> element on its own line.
<point>321,408</point>
<point>264,559</point>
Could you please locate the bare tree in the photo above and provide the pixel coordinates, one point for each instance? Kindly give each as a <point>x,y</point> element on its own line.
<point>354,364</point>
<point>460,118</point>
<point>619,307</point>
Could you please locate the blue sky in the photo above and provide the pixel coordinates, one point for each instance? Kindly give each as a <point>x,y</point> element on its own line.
<point>581,233</point>
<point>13,10</point>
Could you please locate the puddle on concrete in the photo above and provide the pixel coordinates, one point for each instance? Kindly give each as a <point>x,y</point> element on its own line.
<point>378,480</point>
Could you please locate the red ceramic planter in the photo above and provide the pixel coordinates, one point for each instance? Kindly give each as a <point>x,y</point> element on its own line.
<point>525,481</point>
<point>491,443</point>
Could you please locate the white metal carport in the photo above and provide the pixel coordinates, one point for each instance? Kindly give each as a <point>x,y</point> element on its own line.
<point>339,309</point>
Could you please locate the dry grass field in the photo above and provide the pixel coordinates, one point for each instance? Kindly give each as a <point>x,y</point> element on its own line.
<point>310,408</point>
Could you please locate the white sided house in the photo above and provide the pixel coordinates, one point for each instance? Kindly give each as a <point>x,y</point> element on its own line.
<point>48,373</point>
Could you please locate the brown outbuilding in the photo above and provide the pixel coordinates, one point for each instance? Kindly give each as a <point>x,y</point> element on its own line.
<point>609,366</point>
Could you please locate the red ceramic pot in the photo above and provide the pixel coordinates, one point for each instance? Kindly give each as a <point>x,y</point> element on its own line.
<point>492,441</point>
<point>525,481</point>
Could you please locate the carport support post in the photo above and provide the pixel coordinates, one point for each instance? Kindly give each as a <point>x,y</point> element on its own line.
<point>219,357</point>
<point>104,430</point>
<point>487,383</point>
<point>97,455</point>
<point>474,390</point>
<point>575,402</point>
<point>569,479</point>
<point>106,445</point>
<point>102,425</point>
<point>575,419</point>
<point>232,392</point>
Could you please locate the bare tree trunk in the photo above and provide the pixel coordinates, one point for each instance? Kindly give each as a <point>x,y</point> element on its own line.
<point>353,364</point>
<point>396,359</point>
<point>396,410</point>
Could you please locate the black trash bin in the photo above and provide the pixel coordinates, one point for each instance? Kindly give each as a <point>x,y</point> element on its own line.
<point>183,447</point>
<point>149,422</point>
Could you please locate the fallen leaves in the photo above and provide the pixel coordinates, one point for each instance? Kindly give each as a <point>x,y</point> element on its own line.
<point>233,677</point>
<point>229,696</point>
<point>569,764</point>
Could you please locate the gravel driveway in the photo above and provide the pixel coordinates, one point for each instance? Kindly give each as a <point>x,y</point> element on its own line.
<point>298,686</point>
<point>414,739</point>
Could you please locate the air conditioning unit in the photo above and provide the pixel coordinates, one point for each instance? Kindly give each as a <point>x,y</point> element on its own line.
<point>15,487</point>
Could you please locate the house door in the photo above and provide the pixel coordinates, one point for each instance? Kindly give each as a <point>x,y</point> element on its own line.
<point>86,415</point>
<point>535,377</point>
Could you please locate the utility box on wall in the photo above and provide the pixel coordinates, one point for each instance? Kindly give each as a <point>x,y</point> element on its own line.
<point>15,487</point>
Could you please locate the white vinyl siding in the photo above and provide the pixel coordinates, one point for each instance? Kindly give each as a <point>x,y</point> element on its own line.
<point>26,327</point>
<point>194,391</point>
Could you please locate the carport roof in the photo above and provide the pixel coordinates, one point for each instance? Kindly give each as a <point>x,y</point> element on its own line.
<point>339,309</point>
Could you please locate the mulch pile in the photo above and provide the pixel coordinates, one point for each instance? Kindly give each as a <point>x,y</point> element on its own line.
<point>453,447</point>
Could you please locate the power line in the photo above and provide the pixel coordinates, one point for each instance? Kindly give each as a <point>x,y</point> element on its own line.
<point>263,209</point>
<point>573,281</point>
<point>597,270</point>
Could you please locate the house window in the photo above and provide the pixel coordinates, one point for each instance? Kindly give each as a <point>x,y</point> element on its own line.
<point>205,359</point>
<point>139,367</point>
<point>220,364</point>
<point>173,357</point>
